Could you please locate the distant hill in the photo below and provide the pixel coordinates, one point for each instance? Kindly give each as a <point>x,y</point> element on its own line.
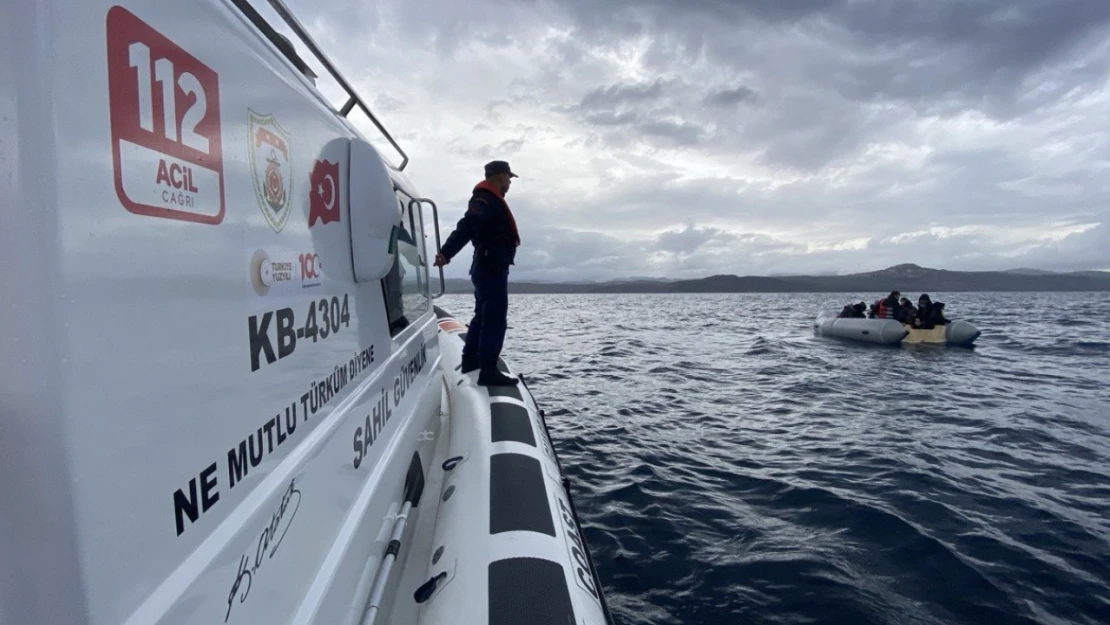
<point>1030,272</point>
<point>908,278</point>
<point>1091,274</point>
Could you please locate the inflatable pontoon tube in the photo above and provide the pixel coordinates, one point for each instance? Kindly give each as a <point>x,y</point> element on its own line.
<point>883,331</point>
<point>508,547</point>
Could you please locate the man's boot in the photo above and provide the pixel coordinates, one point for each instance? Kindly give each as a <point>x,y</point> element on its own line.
<point>493,377</point>
<point>469,363</point>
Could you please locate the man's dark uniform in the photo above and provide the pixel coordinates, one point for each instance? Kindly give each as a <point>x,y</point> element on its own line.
<point>489,225</point>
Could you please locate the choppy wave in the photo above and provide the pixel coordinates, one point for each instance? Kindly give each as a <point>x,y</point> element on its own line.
<point>733,468</point>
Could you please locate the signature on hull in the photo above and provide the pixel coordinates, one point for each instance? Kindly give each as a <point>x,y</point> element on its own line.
<point>268,542</point>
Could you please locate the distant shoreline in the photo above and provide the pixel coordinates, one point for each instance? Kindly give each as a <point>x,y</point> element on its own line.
<point>906,278</point>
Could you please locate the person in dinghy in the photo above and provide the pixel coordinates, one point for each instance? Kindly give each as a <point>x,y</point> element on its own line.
<point>853,311</point>
<point>489,225</point>
<point>930,314</point>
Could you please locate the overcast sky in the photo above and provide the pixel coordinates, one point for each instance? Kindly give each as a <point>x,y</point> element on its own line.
<point>682,139</point>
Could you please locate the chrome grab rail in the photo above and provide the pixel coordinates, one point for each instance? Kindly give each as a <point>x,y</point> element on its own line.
<point>354,98</point>
<point>435,220</point>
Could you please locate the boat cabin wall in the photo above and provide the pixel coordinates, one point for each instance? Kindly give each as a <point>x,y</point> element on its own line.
<point>200,403</point>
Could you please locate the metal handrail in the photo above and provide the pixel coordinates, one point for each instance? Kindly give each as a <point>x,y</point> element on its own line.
<point>422,279</point>
<point>435,220</point>
<point>354,98</point>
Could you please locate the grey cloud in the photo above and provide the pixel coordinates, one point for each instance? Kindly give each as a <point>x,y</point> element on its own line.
<point>731,97</point>
<point>976,252</point>
<point>1075,252</point>
<point>386,102</point>
<point>684,241</point>
<point>467,149</point>
<point>804,130</point>
<point>486,151</point>
<point>868,120</point>
<point>825,70</point>
<point>938,50</point>
<point>621,103</point>
<point>645,110</point>
<point>949,190</point>
<point>625,93</point>
<point>681,133</point>
<point>559,254</point>
<point>807,131</point>
<point>611,118</point>
<point>945,55</point>
<point>510,147</point>
<point>493,108</point>
<point>699,251</point>
<point>1018,34</point>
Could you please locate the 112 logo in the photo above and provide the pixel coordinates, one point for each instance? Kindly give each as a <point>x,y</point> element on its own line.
<point>164,105</point>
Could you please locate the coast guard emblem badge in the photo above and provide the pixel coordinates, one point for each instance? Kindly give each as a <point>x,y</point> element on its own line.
<point>272,168</point>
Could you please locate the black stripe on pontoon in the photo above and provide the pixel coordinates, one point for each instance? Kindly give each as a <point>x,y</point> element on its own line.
<point>529,590</point>
<point>505,391</point>
<point>502,367</point>
<point>510,422</point>
<point>517,496</point>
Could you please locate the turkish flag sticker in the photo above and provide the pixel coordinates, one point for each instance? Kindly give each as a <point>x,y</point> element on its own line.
<point>323,199</point>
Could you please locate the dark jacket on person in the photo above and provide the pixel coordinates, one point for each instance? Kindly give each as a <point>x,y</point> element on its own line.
<point>906,313</point>
<point>489,225</point>
<point>853,311</point>
<point>929,313</point>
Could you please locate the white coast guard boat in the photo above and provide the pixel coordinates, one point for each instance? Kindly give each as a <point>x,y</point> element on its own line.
<point>225,393</point>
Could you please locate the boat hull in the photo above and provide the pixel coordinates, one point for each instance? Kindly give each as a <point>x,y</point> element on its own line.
<point>954,333</point>
<point>891,332</point>
<point>223,399</point>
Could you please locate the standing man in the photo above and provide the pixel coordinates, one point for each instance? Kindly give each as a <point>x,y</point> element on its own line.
<point>489,225</point>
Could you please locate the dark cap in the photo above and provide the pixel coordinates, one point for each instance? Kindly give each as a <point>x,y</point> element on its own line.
<point>498,167</point>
